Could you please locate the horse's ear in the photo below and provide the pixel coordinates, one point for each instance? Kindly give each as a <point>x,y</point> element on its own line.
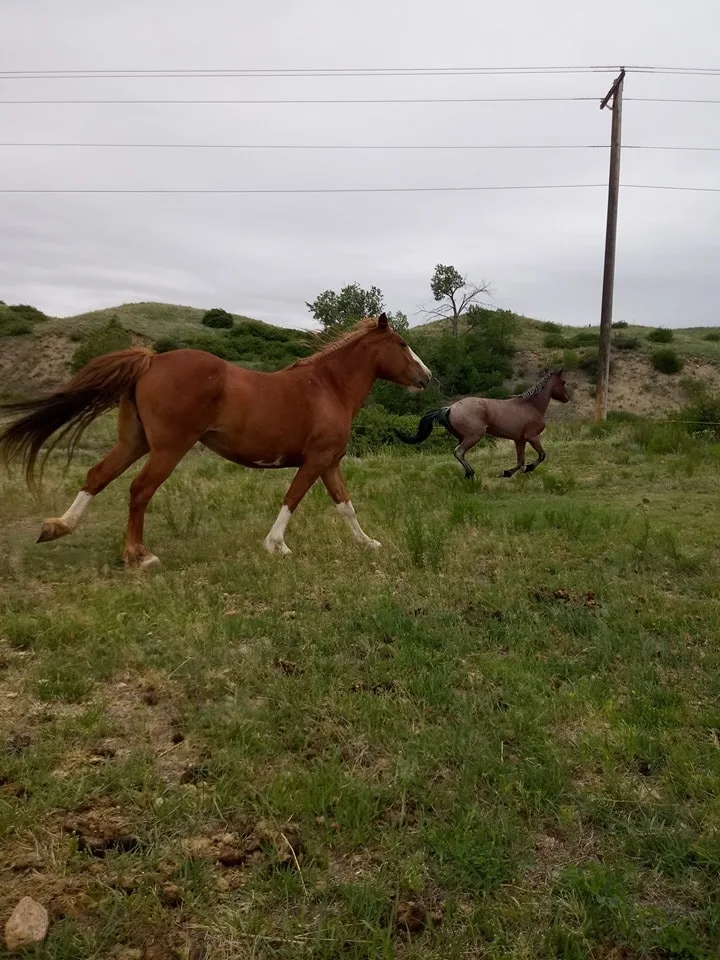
<point>560,371</point>
<point>382,321</point>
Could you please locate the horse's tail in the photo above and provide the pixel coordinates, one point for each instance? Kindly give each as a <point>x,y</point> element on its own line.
<point>424,427</point>
<point>100,385</point>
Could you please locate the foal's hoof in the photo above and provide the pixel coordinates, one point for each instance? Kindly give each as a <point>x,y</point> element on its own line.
<point>507,473</point>
<point>372,544</point>
<point>277,546</point>
<point>530,467</point>
<point>53,529</point>
<point>141,560</point>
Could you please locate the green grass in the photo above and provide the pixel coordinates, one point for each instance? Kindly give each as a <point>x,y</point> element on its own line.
<point>498,737</point>
<point>150,319</point>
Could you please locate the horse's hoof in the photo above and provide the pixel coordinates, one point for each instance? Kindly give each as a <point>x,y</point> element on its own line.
<point>373,544</point>
<point>277,546</point>
<point>141,560</point>
<point>53,529</point>
<point>507,473</point>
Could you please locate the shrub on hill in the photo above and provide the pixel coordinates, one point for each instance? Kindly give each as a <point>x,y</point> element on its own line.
<point>666,360</point>
<point>95,343</point>
<point>26,312</point>
<point>661,335</point>
<point>218,319</point>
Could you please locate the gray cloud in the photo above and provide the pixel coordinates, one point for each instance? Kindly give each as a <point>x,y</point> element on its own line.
<point>266,254</point>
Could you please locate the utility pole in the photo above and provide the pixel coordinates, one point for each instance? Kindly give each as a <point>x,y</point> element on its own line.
<point>613,101</point>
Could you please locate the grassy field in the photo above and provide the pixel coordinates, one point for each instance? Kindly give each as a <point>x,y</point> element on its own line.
<point>498,737</point>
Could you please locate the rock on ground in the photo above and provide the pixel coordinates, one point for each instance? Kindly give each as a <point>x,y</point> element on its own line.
<point>28,925</point>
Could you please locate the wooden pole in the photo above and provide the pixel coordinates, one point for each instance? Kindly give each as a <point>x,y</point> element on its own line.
<point>603,371</point>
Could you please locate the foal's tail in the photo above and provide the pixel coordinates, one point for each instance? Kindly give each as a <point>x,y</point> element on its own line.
<point>425,426</point>
<point>100,385</point>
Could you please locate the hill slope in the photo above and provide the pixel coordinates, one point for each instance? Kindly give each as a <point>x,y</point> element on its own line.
<point>40,359</point>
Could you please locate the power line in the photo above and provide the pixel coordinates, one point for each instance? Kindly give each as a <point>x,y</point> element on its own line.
<point>339,100</point>
<point>354,146</point>
<point>322,146</point>
<point>294,73</point>
<point>334,190</point>
<point>344,101</point>
<point>337,72</point>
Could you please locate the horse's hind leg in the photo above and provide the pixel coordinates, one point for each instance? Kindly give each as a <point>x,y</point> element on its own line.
<point>537,446</point>
<point>335,485</point>
<point>520,450</point>
<point>131,445</point>
<point>160,465</point>
<point>459,453</point>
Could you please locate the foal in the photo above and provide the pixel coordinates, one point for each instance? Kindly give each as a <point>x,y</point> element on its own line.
<point>297,417</point>
<point>520,418</point>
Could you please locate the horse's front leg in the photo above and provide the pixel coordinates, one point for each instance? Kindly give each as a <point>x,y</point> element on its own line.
<point>520,450</point>
<point>537,446</point>
<point>335,485</point>
<point>302,481</point>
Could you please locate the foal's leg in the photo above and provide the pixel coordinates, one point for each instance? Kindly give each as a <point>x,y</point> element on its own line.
<point>160,465</point>
<point>335,485</point>
<point>302,481</point>
<point>131,445</point>
<point>520,450</point>
<point>537,446</point>
<point>459,453</point>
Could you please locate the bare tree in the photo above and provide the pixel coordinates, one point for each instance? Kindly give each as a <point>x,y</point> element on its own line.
<point>455,294</point>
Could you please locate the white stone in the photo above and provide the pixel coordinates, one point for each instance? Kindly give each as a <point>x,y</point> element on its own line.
<point>28,925</point>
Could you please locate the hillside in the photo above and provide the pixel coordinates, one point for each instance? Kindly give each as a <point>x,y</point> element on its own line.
<point>39,358</point>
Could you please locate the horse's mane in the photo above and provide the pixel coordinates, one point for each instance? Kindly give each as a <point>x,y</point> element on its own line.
<point>329,343</point>
<point>533,391</point>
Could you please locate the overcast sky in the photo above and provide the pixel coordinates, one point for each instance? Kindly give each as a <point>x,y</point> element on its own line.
<point>266,254</point>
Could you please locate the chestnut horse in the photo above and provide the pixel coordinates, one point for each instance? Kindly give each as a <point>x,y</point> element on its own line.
<point>296,417</point>
<point>520,418</point>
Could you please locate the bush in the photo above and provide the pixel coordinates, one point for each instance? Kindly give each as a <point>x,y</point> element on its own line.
<point>218,319</point>
<point>713,336</point>
<point>585,338</point>
<point>570,360</point>
<point>661,335</point>
<point>14,327</point>
<point>702,415</point>
<point>166,344</point>
<point>549,327</point>
<point>97,342</point>
<point>589,364</point>
<point>26,312</point>
<point>374,428</point>
<point>626,343</point>
<point>666,360</point>
<point>554,341</point>
<point>619,325</point>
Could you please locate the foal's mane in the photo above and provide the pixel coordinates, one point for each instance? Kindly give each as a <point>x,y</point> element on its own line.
<point>331,343</point>
<point>533,391</point>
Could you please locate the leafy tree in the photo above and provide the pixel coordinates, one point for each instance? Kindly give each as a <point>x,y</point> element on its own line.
<point>218,319</point>
<point>339,311</point>
<point>399,322</point>
<point>455,294</point>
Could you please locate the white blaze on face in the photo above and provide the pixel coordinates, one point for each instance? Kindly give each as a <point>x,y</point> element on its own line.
<point>275,540</point>
<point>347,511</point>
<point>72,516</point>
<point>425,369</point>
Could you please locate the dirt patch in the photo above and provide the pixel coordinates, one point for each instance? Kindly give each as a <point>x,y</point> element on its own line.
<point>37,364</point>
<point>635,386</point>
<point>100,827</point>
<point>550,594</point>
